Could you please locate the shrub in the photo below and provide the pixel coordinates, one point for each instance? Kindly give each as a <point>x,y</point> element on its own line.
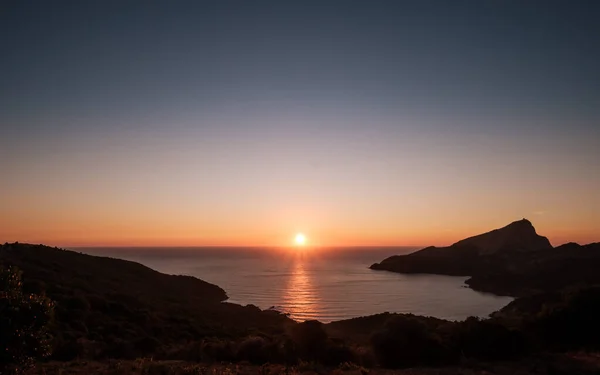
<point>76,303</point>
<point>310,339</point>
<point>488,340</point>
<point>146,345</point>
<point>23,323</point>
<point>254,349</point>
<point>119,348</point>
<point>217,350</point>
<point>66,347</point>
<point>572,324</point>
<point>336,354</point>
<point>365,357</point>
<point>404,342</point>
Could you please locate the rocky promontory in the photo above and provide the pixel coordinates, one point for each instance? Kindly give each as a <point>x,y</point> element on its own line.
<point>513,260</point>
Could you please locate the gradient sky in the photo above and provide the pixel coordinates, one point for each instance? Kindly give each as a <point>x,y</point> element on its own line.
<point>243,122</point>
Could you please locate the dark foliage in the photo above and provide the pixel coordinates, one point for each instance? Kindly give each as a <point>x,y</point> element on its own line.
<point>107,308</point>
<point>406,341</point>
<point>304,343</point>
<point>567,321</point>
<point>488,340</point>
<point>254,349</point>
<point>111,308</point>
<point>310,339</point>
<point>24,319</point>
<point>312,343</point>
<point>524,274</point>
<point>570,324</point>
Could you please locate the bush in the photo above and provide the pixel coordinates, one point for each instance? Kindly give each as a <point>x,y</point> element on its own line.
<point>405,342</point>
<point>365,357</point>
<point>310,339</point>
<point>572,324</point>
<point>146,345</point>
<point>488,340</point>
<point>65,347</point>
<point>217,351</point>
<point>76,303</point>
<point>335,354</point>
<point>255,350</point>
<point>119,348</point>
<point>24,320</point>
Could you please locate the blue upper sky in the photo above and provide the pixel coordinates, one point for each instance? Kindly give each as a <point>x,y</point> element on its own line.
<point>114,59</point>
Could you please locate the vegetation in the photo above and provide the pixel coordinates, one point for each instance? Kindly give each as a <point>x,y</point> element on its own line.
<point>112,309</point>
<point>568,323</point>
<point>563,364</point>
<point>406,341</point>
<point>544,271</point>
<point>24,319</point>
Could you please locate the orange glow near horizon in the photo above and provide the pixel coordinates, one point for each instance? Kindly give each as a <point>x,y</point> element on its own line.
<point>91,231</point>
<point>172,209</point>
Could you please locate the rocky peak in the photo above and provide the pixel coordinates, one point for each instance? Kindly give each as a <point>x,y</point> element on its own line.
<point>516,236</point>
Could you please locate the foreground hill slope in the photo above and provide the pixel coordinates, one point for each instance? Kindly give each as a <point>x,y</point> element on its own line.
<point>107,275</point>
<point>513,260</point>
<point>107,308</point>
<point>564,364</point>
<point>114,304</point>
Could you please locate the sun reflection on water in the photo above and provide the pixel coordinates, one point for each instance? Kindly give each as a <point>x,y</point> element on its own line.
<point>300,299</point>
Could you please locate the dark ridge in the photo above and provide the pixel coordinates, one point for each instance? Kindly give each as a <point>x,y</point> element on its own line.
<point>517,236</point>
<point>110,302</point>
<point>513,260</point>
<point>108,275</point>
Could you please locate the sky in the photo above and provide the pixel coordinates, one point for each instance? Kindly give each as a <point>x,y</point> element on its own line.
<point>215,123</point>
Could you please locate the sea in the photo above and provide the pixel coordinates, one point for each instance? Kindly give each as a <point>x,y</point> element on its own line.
<point>325,284</point>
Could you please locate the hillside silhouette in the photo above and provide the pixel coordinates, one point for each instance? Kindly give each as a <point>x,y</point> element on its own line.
<point>513,260</point>
<point>108,309</point>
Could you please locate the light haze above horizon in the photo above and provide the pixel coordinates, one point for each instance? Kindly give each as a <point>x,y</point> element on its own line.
<point>245,123</point>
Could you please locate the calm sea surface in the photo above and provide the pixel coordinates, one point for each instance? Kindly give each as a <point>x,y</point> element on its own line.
<point>324,284</point>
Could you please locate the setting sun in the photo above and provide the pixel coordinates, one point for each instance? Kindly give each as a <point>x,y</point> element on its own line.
<point>300,239</point>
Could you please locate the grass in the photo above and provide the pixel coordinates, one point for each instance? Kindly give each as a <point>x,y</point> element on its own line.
<point>583,363</point>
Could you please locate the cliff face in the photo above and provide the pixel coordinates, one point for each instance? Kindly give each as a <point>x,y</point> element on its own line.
<point>513,260</point>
